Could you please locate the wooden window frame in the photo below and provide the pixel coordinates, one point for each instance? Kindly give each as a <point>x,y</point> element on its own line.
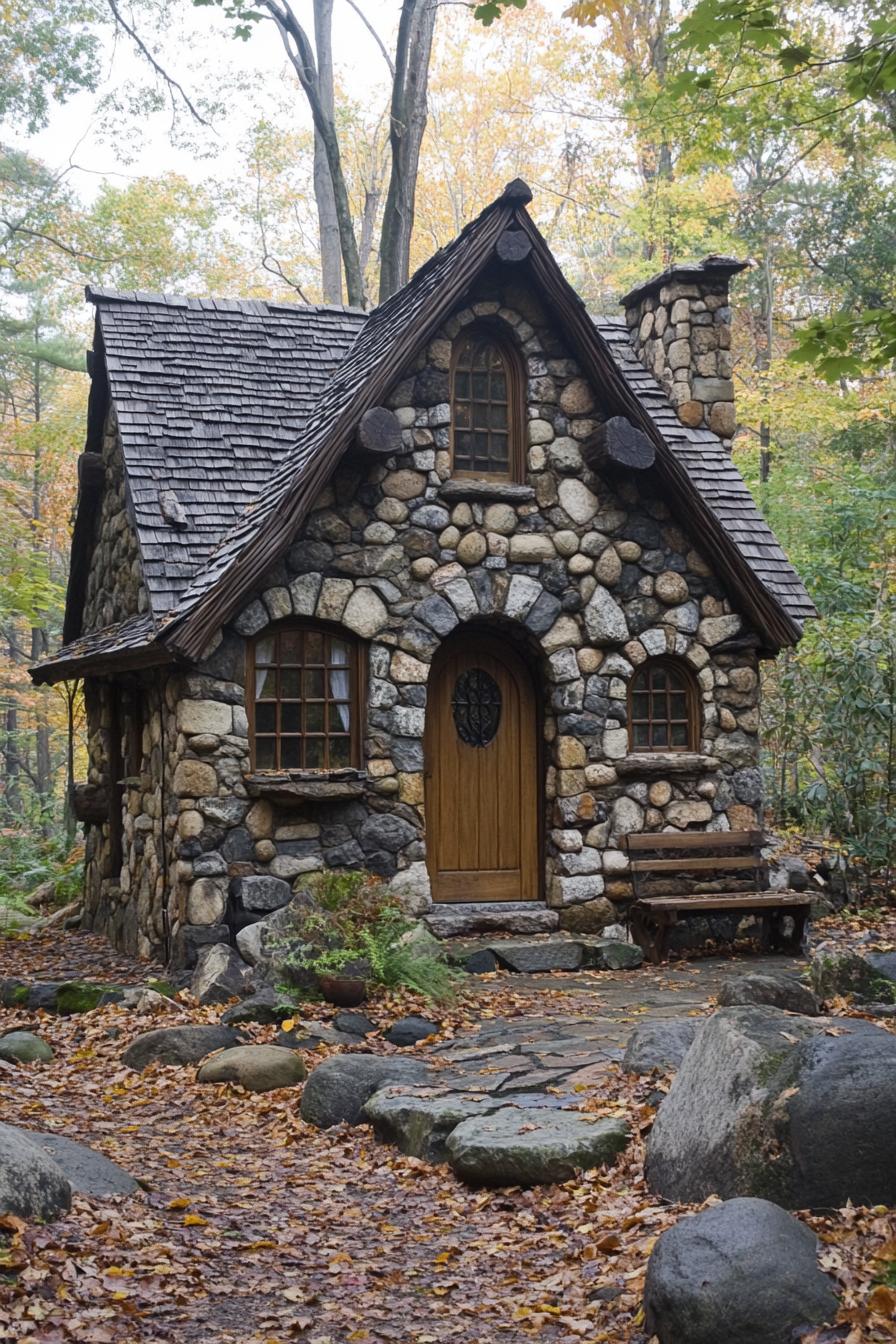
<point>516,408</point>
<point>684,676</point>
<point>356,667</point>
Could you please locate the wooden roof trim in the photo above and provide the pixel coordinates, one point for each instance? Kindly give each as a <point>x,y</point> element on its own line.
<point>763,610</point>
<point>89,495</point>
<point>100,664</point>
<point>189,635</point>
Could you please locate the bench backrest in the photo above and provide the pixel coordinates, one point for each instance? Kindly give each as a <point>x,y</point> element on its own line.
<point>699,856</point>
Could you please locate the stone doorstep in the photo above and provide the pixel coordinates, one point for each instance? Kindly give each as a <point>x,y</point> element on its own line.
<point>529,954</point>
<point>496,917</point>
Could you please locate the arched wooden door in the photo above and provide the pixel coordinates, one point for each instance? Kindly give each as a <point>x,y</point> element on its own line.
<point>482,774</point>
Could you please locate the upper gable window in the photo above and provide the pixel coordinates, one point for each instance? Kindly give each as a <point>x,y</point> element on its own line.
<point>486,416</point>
<point>662,707</point>
<point>304,709</point>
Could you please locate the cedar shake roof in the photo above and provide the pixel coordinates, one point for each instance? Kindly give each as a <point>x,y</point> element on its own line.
<point>234,413</point>
<point>709,465</point>
<point>210,395</point>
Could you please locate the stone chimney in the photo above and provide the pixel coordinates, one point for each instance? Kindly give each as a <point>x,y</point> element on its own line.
<point>680,325</point>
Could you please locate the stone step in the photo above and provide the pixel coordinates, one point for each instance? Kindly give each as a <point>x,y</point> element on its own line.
<point>547,954</point>
<point>455,921</point>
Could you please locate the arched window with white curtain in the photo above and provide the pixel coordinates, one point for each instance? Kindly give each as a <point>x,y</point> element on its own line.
<point>304,700</point>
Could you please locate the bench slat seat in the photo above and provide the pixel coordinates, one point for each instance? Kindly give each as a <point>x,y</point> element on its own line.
<point>702,864</point>
<point>742,900</point>
<point>693,840</point>
<point>687,853</point>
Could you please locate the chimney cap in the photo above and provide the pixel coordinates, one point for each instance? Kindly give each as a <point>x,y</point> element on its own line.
<point>713,267</point>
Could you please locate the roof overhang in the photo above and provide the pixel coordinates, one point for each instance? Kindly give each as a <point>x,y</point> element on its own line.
<point>129,646</point>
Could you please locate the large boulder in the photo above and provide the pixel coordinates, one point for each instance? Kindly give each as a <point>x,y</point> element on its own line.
<point>660,1044</point>
<point>794,1109</point>
<point>23,1047</point>
<point>87,1171</point>
<point>419,1124</point>
<point>744,1272</point>
<point>32,1185</point>
<point>258,1068</point>
<point>275,945</point>
<point>339,1087</point>
<point>177,1045</point>
<point>220,975</point>
<point>522,1147</point>
<point>869,976</point>
<point>778,991</point>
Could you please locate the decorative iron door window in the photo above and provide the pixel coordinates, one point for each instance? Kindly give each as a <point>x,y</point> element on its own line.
<point>476,707</point>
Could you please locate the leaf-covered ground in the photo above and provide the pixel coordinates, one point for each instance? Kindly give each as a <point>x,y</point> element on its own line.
<point>258,1229</point>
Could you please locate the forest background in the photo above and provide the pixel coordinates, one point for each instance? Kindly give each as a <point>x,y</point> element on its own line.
<point>281,151</point>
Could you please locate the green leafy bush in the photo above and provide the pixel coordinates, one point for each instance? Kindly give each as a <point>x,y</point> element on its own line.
<point>354,927</point>
<point>28,860</point>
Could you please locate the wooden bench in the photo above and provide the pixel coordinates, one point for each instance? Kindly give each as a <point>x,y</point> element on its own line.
<point>682,870</point>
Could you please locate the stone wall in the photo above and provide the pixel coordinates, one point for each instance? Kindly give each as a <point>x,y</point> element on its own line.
<point>681,329</point>
<point>115,587</point>
<point>128,903</point>
<point>592,576</point>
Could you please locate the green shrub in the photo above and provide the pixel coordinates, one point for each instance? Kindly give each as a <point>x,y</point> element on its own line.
<point>356,927</point>
<point>28,860</point>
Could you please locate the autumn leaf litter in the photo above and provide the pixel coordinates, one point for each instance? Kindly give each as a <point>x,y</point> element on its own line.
<point>255,1227</point>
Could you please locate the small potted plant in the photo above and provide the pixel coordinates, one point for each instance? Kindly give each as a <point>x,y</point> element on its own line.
<point>342,976</point>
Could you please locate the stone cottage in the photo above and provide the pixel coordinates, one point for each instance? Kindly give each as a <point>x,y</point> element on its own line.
<point>460,591</point>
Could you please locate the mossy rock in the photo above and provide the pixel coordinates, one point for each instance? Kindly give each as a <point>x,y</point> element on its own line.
<point>23,1047</point>
<point>163,987</point>
<point>13,993</point>
<point>77,996</point>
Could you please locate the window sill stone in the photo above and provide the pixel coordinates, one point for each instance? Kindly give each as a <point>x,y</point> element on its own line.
<point>665,763</point>
<point>307,786</point>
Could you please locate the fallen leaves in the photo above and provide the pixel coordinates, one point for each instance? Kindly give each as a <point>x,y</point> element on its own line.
<point>256,1228</point>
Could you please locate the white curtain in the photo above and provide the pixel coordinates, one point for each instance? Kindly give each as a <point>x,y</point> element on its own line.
<point>340,683</point>
<point>264,652</point>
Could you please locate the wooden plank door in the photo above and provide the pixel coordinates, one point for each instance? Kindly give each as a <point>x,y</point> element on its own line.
<point>482,775</point>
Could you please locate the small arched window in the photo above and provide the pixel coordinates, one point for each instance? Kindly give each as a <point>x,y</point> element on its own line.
<point>662,707</point>
<point>486,415</point>
<point>304,699</point>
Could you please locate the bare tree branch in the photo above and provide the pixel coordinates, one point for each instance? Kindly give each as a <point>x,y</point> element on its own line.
<point>374,34</point>
<point>173,86</point>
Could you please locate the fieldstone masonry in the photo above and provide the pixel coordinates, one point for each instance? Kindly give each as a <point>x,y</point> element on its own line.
<point>589,577</point>
<point>680,325</point>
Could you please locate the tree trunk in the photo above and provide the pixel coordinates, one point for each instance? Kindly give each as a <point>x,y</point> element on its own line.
<point>301,55</point>
<point>406,126</point>
<point>763,363</point>
<point>328,224</point>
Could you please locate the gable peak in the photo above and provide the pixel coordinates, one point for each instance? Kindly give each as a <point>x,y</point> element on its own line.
<point>517,192</point>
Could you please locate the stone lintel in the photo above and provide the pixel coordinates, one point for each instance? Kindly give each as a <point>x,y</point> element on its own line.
<point>486,492</point>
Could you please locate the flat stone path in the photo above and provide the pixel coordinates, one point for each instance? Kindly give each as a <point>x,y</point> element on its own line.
<point>613,1002</point>
<point>542,1064</point>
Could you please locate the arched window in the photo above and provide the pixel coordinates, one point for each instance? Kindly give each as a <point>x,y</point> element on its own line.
<point>486,414</point>
<point>662,707</point>
<point>304,699</point>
